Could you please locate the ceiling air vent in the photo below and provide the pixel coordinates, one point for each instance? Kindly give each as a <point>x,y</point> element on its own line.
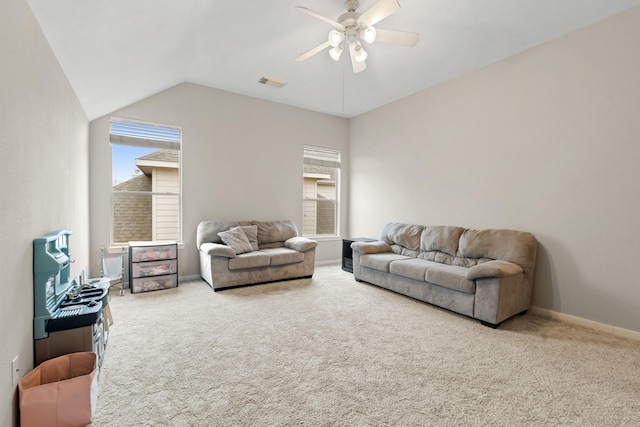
<point>272,82</point>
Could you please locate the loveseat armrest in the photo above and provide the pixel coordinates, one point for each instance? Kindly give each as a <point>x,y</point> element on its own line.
<point>370,247</point>
<point>495,268</point>
<point>300,244</point>
<point>217,249</point>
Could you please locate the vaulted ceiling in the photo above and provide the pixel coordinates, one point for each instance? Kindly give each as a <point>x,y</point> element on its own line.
<point>117,52</point>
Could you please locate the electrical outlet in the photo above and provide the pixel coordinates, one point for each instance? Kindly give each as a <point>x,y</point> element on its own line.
<point>15,369</point>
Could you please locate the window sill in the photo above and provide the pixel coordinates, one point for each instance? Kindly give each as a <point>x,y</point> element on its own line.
<point>324,238</point>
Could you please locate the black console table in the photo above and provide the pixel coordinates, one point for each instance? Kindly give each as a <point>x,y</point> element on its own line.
<point>347,253</point>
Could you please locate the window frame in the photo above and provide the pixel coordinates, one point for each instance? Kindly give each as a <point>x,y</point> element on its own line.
<point>163,141</point>
<point>324,157</point>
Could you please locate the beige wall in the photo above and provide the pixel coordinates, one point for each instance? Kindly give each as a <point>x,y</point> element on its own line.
<point>242,160</point>
<point>546,141</point>
<point>43,168</point>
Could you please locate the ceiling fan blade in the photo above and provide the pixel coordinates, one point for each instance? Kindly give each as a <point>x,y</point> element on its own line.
<point>402,38</point>
<point>379,11</point>
<point>357,66</point>
<point>313,51</point>
<point>320,17</point>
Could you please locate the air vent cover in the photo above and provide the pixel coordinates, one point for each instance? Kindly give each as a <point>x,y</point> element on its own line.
<point>272,82</point>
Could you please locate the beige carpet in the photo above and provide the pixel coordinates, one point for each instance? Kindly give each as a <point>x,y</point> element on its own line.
<point>329,351</point>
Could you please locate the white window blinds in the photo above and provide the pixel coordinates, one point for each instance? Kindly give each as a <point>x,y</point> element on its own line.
<point>321,157</point>
<point>141,134</point>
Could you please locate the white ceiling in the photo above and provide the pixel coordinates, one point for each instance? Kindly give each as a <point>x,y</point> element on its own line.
<point>117,52</point>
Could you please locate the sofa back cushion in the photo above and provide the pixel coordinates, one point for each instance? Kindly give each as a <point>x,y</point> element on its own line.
<point>518,247</point>
<point>275,231</point>
<point>459,246</point>
<point>269,233</point>
<point>207,231</point>
<point>441,238</point>
<point>399,234</point>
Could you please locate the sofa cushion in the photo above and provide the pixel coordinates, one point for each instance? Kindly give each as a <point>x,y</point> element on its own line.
<point>380,262</point>
<point>440,238</point>
<point>282,256</point>
<point>275,231</point>
<point>518,247</point>
<point>401,250</point>
<point>443,258</point>
<point>253,259</point>
<point>412,268</point>
<point>252,235</point>
<point>271,245</point>
<point>236,239</point>
<point>406,235</point>
<point>452,277</point>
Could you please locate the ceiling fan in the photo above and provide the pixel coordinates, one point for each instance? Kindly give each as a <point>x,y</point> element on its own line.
<point>353,28</point>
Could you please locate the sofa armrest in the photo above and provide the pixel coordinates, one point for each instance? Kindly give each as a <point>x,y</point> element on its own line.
<point>300,244</point>
<point>216,249</point>
<point>370,247</point>
<point>495,268</point>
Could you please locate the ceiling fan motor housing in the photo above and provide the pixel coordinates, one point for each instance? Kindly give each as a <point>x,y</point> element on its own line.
<point>350,23</point>
<point>351,5</point>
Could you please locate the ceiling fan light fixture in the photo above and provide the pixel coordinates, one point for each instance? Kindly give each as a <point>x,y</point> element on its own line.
<point>335,38</point>
<point>360,53</point>
<point>335,52</point>
<point>368,34</point>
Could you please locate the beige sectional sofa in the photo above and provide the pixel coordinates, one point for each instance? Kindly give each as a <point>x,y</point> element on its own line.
<point>271,251</point>
<point>483,274</point>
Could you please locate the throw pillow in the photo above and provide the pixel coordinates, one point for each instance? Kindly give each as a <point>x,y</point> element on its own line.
<point>252,234</point>
<point>236,239</point>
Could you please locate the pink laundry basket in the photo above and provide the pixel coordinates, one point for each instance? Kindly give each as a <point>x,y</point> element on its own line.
<point>60,392</point>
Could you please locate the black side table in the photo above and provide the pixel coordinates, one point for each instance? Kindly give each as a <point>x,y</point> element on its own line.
<point>347,252</point>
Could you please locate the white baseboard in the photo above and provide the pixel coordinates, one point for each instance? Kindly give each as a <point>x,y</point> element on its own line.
<point>330,262</point>
<point>614,330</point>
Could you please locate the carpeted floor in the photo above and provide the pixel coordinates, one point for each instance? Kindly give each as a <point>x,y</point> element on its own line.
<point>329,351</point>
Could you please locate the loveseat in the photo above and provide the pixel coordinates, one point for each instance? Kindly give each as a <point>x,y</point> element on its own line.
<point>483,274</point>
<point>238,253</point>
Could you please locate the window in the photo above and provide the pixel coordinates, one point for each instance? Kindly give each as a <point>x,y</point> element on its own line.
<point>321,183</point>
<point>146,187</point>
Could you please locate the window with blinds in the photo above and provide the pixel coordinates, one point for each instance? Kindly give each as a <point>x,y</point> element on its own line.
<point>321,195</point>
<point>146,201</point>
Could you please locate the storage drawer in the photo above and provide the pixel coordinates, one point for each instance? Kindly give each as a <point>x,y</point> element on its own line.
<point>154,268</point>
<point>150,253</point>
<point>145,284</point>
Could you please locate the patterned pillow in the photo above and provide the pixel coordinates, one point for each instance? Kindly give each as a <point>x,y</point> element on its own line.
<point>236,239</point>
